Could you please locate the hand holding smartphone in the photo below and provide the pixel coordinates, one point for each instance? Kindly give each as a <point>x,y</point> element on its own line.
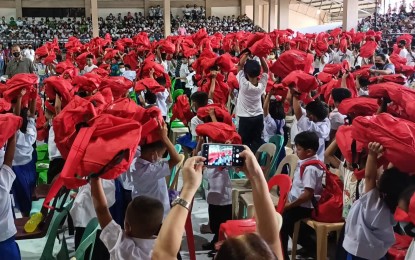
<point>222,155</point>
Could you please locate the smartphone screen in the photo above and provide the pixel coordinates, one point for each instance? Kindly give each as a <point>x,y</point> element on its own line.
<point>222,155</point>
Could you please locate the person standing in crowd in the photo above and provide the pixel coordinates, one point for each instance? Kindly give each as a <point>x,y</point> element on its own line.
<point>29,53</point>
<point>2,59</point>
<point>18,64</point>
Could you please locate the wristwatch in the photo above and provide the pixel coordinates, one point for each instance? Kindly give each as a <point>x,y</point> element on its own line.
<point>181,202</point>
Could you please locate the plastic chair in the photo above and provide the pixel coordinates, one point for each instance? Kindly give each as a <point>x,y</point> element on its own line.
<point>322,231</point>
<point>264,156</point>
<point>284,184</point>
<point>87,240</point>
<point>173,178</point>
<point>278,141</point>
<point>176,93</point>
<point>290,161</point>
<point>234,228</point>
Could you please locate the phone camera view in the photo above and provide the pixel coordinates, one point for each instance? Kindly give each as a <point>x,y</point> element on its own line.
<point>220,155</point>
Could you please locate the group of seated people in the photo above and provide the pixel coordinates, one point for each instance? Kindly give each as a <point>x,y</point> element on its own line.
<point>104,113</point>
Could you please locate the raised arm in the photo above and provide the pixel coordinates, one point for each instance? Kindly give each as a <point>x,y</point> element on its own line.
<point>100,202</point>
<point>18,106</point>
<point>371,169</point>
<point>212,84</point>
<point>174,156</point>
<point>329,155</point>
<point>266,103</point>
<point>297,107</point>
<point>264,64</point>
<point>170,236</point>
<point>242,61</point>
<point>267,219</point>
<point>10,149</point>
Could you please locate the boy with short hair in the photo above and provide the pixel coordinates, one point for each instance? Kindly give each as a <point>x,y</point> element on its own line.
<point>315,120</point>
<point>143,219</point>
<point>199,99</point>
<point>89,64</point>
<point>304,189</point>
<point>336,118</point>
<point>149,170</point>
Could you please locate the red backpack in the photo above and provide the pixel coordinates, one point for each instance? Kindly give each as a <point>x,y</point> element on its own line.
<point>105,149</point>
<point>330,206</point>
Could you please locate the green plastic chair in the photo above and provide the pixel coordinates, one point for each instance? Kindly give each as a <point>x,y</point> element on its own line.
<point>278,140</point>
<point>176,93</point>
<point>177,124</point>
<point>42,153</point>
<point>53,232</point>
<point>173,84</point>
<point>87,240</point>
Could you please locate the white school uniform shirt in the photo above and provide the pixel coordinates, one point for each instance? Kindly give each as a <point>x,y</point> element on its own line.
<point>7,227</point>
<point>271,127</point>
<point>129,74</point>
<point>410,254</point>
<point>122,247</point>
<point>219,186</point>
<point>249,99</point>
<point>369,227</point>
<point>88,69</point>
<point>322,129</point>
<point>161,101</point>
<point>312,178</point>
<point>83,209</point>
<point>336,119</point>
<point>184,72</point>
<point>195,121</point>
<point>149,180</point>
<point>2,152</point>
<point>24,144</point>
<point>29,53</point>
<point>52,148</point>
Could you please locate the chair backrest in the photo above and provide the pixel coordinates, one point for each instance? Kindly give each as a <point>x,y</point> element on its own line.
<point>53,231</point>
<point>290,161</point>
<point>176,93</point>
<point>284,184</point>
<point>174,177</point>
<point>278,141</point>
<point>264,155</point>
<point>178,148</point>
<point>88,240</point>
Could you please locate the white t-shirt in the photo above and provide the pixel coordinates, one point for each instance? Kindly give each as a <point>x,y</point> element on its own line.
<point>312,178</point>
<point>52,148</point>
<point>130,75</point>
<point>122,247</point>
<point>184,71</point>
<point>369,227</point>
<point>24,144</point>
<point>83,209</point>
<point>7,227</point>
<point>88,69</point>
<point>149,180</point>
<point>322,129</point>
<point>30,54</point>
<point>336,119</point>
<point>271,127</point>
<point>162,101</point>
<point>220,187</point>
<point>249,99</point>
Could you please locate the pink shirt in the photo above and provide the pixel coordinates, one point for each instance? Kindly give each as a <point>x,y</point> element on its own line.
<point>182,31</point>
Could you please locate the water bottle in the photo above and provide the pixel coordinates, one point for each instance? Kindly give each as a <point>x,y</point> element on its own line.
<point>33,222</point>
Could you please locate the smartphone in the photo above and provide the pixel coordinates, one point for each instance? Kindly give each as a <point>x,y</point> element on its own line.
<point>222,155</point>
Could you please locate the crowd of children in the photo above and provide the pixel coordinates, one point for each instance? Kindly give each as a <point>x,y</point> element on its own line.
<point>121,93</point>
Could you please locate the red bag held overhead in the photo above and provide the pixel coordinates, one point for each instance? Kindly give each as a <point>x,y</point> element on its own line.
<point>360,106</point>
<point>105,148</point>
<point>181,110</point>
<point>396,135</point>
<point>221,113</point>
<point>9,124</point>
<point>19,82</point>
<point>330,206</point>
<point>219,132</point>
<point>56,85</point>
<point>292,60</point>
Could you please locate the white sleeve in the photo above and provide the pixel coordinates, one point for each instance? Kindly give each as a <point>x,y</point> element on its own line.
<point>322,130</point>
<point>241,78</point>
<point>264,81</point>
<point>111,236</point>
<point>31,133</point>
<point>309,178</point>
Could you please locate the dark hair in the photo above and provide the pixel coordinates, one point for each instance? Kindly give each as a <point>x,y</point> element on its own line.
<point>252,68</point>
<point>23,115</point>
<point>144,215</point>
<point>406,195</point>
<point>161,80</point>
<point>339,94</point>
<point>364,82</point>
<point>121,64</point>
<point>391,184</point>
<point>276,110</point>
<point>318,109</point>
<point>307,140</point>
<point>127,66</point>
<point>90,56</point>
<point>150,97</point>
<point>155,146</point>
<point>249,247</point>
<point>402,42</point>
<point>382,56</point>
<point>201,98</point>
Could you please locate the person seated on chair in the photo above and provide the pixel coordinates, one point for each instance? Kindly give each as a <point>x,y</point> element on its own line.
<point>274,117</point>
<point>314,119</point>
<point>148,170</point>
<point>143,219</point>
<point>336,118</point>
<point>262,245</point>
<point>163,99</point>
<point>304,190</point>
<point>199,99</point>
<point>8,246</point>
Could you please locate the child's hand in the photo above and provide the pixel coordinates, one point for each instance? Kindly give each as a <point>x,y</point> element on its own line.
<point>22,92</point>
<point>192,173</point>
<point>214,73</point>
<point>162,129</point>
<point>375,148</point>
<point>212,111</point>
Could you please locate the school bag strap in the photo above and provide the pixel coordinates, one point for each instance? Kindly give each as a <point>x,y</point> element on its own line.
<point>72,162</point>
<point>312,162</point>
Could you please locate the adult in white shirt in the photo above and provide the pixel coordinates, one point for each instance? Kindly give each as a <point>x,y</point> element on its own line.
<point>320,62</point>
<point>29,53</point>
<point>249,107</point>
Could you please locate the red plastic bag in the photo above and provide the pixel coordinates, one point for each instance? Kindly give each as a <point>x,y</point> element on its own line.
<point>399,249</point>
<point>9,124</point>
<point>219,132</point>
<point>360,106</point>
<point>181,110</point>
<point>368,49</point>
<point>58,86</point>
<point>292,60</point>
<point>330,206</point>
<point>262,47</point>
<point>221,113</point>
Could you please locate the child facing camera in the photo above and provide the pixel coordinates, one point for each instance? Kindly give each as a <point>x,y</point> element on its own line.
<point>142,222</point>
